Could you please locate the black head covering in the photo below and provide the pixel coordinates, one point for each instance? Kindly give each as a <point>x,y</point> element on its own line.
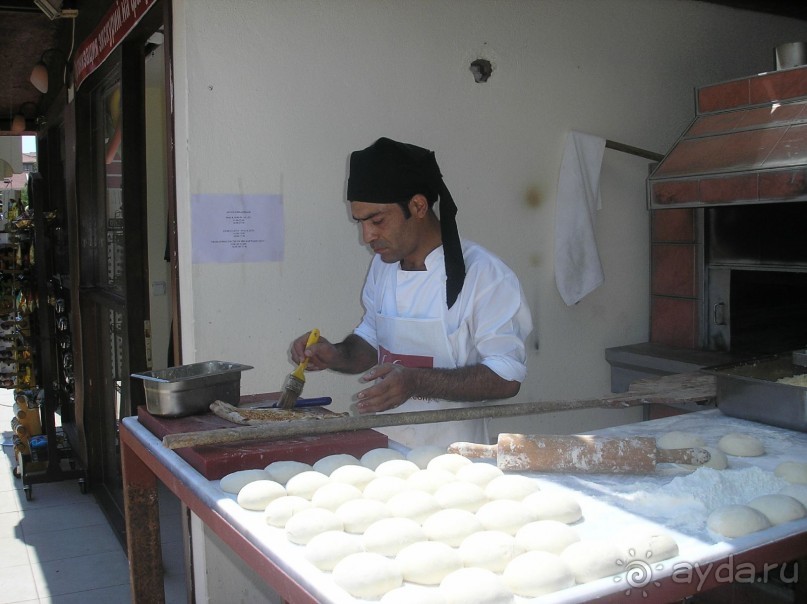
<point>391,172</point>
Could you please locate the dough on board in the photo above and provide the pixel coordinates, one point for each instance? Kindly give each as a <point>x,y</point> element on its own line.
<point>736,521</point>
<point>550,536</point>
<point>479,473</point>
<point>792,471</point>
<point>384,487</point>
<point>257,494</point>
<point>430,480</point>
<point>679,440</point>
<point>505,515</point>
<point>741,445</point>
<point>423,454</point>
<point>428,562</point>
<point>388,536</point>
<point>374,457</point>
<point>417,505</point>
<point>333,494</point>
<point>357,514</point>
<point>558,506</point>
<point>510,486</point>
<point>592,559</point>
<point>281,471</point>
<point>326,549</point>
<point>448,461</point>
<point>717,460</point>
<point>235,481</point>
<point>402,468</point>
<point>412,594</point>
<point>536,573</point>
<point>367,575</point>
<point>489,549</point>
<point>306,483</point>
<point>646,544</point>
<point>305,524</point>
<point>778,508</point>
<point>329,463</point>
<point>279,510</point>
<point>451,526</point>
<point>797,491</point>
<point>477,585</point>
<point>461,495</point>
<point>357,475</point>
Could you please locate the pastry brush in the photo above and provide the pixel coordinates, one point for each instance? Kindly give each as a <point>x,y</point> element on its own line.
<point>293,386</point>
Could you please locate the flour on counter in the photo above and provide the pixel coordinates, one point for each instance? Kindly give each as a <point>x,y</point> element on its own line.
<point>686,501</point>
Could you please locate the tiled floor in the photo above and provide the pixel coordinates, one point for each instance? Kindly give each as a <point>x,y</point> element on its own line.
<point>59,549</point>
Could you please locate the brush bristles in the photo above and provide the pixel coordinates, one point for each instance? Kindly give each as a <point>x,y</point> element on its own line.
<point>291,392</point>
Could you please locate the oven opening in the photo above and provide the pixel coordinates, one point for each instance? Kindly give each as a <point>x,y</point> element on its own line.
<point>768,311</point>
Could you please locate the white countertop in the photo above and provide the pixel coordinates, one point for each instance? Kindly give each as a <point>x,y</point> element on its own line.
<point>674,500</point>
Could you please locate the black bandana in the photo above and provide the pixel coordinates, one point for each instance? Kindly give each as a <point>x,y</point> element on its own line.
<point>391,172</point>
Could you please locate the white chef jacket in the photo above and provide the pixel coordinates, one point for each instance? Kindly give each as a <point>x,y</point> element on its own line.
<point>488,324</point>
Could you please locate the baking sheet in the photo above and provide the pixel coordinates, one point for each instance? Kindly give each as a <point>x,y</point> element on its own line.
<point>611,505</point>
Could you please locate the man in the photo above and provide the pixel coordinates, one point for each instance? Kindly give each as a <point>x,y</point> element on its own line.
<point>445,321</point>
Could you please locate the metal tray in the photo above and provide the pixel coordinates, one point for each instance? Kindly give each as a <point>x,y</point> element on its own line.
<point>749,390</point>
<point>189,389</point>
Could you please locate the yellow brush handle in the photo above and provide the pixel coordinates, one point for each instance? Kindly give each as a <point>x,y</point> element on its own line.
<point>313,338</point>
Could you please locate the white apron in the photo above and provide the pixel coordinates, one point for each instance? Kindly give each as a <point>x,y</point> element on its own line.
<point>423,343</point>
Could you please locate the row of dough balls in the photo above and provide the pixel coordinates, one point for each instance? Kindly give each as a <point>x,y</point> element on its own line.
<point>736,444</point>
<point>491,567</point>
<point>762,512</point>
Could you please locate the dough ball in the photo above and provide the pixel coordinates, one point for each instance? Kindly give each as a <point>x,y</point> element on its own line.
<point>537,573</point>
<point>281,471</point>
<point>279,510</point>
<point>717,460</point>
<point>402,468</point>
<point>382,488</point>
<point>367,575</point>
<point>489,549</point>
<point>430,480</point>
<point>510,486</point>
<point>592,559</point>
<point>306,483</point>
<point>477,585</point>
<point>417,505</point>
<point>259,493</point>
<point>741,445</point>
<point>505,515</point>
<point>424,454</point>
<point>648,545</point>
<point>305,524</point>
<point>479,473</point>
<point>778,508</point>
<point>792,471</point>
<point>414,594</point>
<point>326,549</point>
<point>333,494</point>
<point>797,491</point>
<point>736,521</point>
<point>461,495</point>
<point>235,481</point>
<point>357,514</point>
<point>550,536</point>
<point>427,562</point>
<point>451,526</point>
<point>388,536</point>
<point>374,457</point>
<point>328,464</point>
<point>357,475</point>
<point>679,440</point>
<point>448,461</point>
<point>554,506</point>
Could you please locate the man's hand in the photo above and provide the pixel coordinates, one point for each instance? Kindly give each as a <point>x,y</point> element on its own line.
<point>352,355</point>
<point>395,386</point>
<point>320,355</point>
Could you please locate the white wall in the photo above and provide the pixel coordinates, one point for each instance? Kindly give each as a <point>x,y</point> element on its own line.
<point>272,96</point>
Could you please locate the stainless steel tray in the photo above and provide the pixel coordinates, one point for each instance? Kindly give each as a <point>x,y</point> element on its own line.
<point>750,390</point>
<point>189,389</point>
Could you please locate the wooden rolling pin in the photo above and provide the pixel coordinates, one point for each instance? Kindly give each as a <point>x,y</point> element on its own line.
<point>582,454</point>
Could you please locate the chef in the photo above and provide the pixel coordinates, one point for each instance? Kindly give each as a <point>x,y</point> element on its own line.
<point>445,320</point>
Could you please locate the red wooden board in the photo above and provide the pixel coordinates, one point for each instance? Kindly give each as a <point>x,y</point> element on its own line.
<point>215,461</point>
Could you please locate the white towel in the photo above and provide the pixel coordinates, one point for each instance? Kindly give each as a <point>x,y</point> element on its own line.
<point>578,271</point>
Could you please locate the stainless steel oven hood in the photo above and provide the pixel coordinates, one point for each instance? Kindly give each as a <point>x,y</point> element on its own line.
<point>747,144</point>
